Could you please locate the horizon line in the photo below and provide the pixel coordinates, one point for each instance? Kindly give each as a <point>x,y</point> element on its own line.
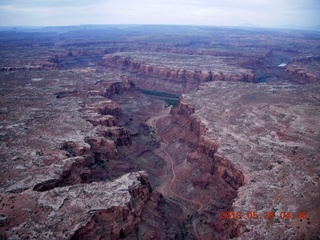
<point>244,25</point>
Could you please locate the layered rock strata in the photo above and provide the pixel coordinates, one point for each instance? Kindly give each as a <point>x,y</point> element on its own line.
<point>119,87</point>
<point>59,133</point>
<point>304,70</point>
<point>65,146</point>
<point>165,73</point>
<point>271,134</point>
<point>204,145</point>
<point>202,177</point>
<point>108,210</point>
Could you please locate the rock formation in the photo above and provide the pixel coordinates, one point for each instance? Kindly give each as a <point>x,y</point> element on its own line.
<point>269,133</point>
<point>164,73</point>
<point>74,171</point>
<point>201,176</point>
<point>81,144</point>
<point>108,210</point>
<point>119,87</point>
<point>102,148</point>
<point>304,70</point>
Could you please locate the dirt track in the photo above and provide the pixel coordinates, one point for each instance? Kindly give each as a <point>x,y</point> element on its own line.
<point>164,189</point>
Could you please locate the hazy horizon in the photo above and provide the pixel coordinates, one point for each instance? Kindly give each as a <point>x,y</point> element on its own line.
<point>256,13</point>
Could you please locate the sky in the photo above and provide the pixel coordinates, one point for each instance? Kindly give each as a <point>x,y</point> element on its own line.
<point>263,13</point>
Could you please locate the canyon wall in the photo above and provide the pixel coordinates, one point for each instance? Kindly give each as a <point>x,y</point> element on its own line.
<point>62,183</point>
<point>258,133</point>
<point>304,70</point>
<point>298,74</point>
<point>71,156</point>
<point>169,79</point>
<point>103,210</point>
<point>208,181</point>
<point>222,167</point>
<point>246,139</point>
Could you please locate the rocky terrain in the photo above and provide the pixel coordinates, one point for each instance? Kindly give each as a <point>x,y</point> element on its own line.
<point>175,73</point>
<point>173,132</point>
<point>270,132</point>
<point>64,131</point>
<point>304,70</point>
<point>56,142</point>
<point>108,210</point>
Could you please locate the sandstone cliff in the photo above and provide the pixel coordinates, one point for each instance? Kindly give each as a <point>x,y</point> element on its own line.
<point>104,210</point>
<point>203,178</point>
<point>262,137</point>
<point>160,76</point>
<point>119,87</point>
<point>304,70</point>
<point>65,172</point>
<point>74,171</point>
<point>222,167</point>
<point>107,90</point>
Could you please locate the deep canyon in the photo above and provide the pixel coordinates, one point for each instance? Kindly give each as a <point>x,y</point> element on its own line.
<point>167,132</point>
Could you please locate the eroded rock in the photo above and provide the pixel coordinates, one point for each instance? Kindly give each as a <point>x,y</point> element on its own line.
<point>107,210</point>
<point>165,72</point>
<point>102,148</point>
<point>270,133</point>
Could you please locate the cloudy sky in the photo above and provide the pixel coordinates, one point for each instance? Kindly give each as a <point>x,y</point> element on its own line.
<point>267,13</point>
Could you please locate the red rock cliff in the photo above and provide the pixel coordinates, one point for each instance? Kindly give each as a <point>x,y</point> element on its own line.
<point>304,70</point>
<point>169,79</point>
<point>100,210</point>
<point>221,166</point>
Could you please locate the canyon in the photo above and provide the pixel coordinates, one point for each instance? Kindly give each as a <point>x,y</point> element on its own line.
<point>167,132</point>
<point>174,73</point>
